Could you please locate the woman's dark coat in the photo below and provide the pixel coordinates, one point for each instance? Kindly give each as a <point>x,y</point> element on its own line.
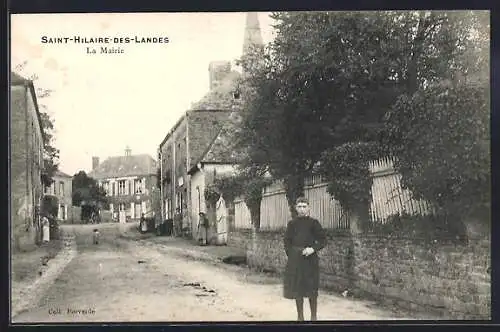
<point>301,272</point>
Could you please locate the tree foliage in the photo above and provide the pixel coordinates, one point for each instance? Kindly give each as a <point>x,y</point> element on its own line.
<point>439,132</point>
<point>51,154</point>
<point>321,92</point>
<point>245,184</point>
<point>441,139</point>
<point>50,205</point>
<point>86,189</point>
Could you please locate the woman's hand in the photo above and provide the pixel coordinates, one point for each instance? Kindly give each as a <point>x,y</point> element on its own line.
<point>307,251</point>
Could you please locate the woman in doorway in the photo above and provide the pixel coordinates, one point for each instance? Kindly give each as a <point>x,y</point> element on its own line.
<point>304,237</point>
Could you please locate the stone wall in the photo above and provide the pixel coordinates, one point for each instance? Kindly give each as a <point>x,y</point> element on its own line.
<point>336,262</point>
<point>240,238</point>
<point>447,278</point>
<point>440,277</point>
<point>268,254</point>
<point>26,187</point>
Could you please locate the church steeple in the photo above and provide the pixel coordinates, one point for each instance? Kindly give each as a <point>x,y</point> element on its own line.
<point>253,36</point>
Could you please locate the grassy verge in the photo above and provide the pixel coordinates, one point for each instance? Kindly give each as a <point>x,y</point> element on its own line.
<point>26,265</point>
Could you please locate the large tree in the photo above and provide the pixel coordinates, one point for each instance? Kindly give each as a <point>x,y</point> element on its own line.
<point>321,84</point>
<point>438,131</point>
<point>325,85</point>
<point>86,189</point>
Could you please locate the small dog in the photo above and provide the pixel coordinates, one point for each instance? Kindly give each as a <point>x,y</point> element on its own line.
<point>95,236</point>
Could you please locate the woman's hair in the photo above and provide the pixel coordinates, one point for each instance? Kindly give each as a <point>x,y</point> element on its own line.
<point>302,199</point>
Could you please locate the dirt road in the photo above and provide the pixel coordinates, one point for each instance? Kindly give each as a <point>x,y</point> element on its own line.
<point>121,280</point>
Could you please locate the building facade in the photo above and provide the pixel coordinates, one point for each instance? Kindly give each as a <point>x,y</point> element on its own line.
<point>191,139</point>
<point>26,156</point>
<point>129,182</point>
<point>62,188</point>
<point>180,149</point>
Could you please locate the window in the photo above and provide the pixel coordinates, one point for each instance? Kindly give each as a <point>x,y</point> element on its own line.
<point>61,188</point>
<point>113,189</point>
<point>105,186</point>
<point>122,206</point>
<point>138,186</point>
<point>121,187</point>
<point>63,212</point>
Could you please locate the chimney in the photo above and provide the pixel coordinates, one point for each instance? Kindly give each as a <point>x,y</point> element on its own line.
<point>95,162</point>
<point>217,70</point>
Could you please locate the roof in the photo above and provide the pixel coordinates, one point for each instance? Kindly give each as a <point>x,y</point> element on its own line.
<point>16,79</point>
<point>177,124</point>
<point>221,150</point>
<point>195,115</point>
<point>220,97</point>
<point>62,174</point>
<point>121,166</point>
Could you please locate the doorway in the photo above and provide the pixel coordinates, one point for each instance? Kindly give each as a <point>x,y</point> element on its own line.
<point>137,210</point>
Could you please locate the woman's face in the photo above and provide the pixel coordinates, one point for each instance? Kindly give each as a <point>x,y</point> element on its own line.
<point>302,209</point>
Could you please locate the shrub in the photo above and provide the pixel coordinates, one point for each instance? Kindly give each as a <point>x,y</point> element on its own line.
<point>50,205</point>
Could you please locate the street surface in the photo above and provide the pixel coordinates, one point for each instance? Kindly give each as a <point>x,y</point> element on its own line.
<point>123,280</point>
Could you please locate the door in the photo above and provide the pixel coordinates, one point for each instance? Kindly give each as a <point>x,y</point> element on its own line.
<point>221,218</point>
<point>137,210</point>
<point>63,212</point>
<point>122,214</point>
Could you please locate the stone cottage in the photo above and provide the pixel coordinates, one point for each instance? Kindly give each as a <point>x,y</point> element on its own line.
<point>26,156</point>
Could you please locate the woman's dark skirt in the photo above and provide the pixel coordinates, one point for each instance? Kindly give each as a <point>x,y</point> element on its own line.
<point>301,277</point>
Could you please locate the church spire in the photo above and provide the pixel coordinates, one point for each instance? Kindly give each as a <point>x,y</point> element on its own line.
<point>253,36</point>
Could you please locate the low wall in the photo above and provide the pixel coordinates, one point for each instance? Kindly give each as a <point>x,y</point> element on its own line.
<point>240,238</point>
<point>439,277</point>
<point>446,278</point>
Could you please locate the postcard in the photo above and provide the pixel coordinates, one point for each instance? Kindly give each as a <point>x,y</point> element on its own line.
<point>250,166</point>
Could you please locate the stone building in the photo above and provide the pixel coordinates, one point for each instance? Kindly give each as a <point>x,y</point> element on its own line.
<point>193,139</point>
<point>62,188</point>
<point>129,182</point>
<point>181,148</point>
<point>26,163</point>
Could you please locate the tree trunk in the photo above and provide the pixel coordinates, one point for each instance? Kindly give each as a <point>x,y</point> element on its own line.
<point>359,218</point>
<point>255,215</point>
<point>294,186</point>
<point>230,215</point>
<point>412,78</point>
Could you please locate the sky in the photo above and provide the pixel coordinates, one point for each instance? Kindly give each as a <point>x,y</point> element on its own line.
<point>102,103</point>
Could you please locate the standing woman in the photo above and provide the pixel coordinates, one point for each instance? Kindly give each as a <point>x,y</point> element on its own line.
<point>203,226</point>
<point>45,229</point>
<point>304,237</point>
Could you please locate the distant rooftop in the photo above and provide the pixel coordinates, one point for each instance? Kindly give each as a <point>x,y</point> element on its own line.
<point>62,174</point>
<point>128,165</point>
